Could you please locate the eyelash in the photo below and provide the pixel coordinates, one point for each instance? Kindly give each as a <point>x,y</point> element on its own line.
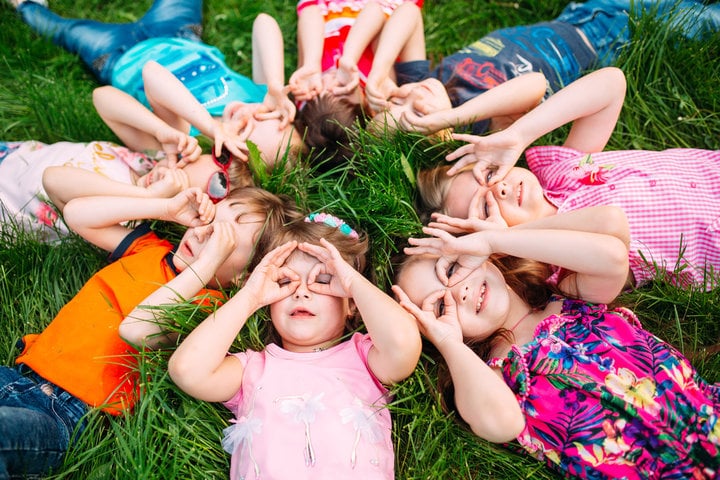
<point>323,278</point>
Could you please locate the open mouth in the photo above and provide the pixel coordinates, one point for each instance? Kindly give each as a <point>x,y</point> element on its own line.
<point>481,298</point>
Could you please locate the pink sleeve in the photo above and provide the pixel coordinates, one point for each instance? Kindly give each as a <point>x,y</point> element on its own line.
<point>363,343</point>
<point>234,402</point>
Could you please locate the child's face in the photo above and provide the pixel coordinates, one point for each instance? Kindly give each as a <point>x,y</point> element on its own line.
<point>306,320</point>
<point>245,224</point>
<point>482,298</point>
<point>420,98</point>
<point>519,196</point>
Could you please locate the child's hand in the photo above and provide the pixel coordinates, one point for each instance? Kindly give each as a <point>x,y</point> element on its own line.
<point>426,123</point>
<point>333,275</point>
<point>306,83</point>
<point>271,281</point>
<point>168,182</point>
<point>220,238</point>
<point>347,78</point>
<point>437,319</point>
<point>378,90</point>
<point>232,134</point>
<point>457,226</point>
<point>499,151</point>
<point>278,105</point>
<point>191,207</point>
<point>458,256</point>
<point>179,148</point>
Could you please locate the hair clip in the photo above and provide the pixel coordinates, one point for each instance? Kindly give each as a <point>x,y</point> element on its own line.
<point>332,221</point>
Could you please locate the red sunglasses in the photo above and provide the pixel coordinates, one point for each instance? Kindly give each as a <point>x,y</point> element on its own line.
<point>219,183</point>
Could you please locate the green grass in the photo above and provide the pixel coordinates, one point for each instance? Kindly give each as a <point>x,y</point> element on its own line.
<point>672,101</point>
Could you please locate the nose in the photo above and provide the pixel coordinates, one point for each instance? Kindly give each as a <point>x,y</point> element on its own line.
<point>501,189</point>
<point>302,291</point>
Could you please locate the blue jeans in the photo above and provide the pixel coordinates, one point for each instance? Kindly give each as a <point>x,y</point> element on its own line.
<point>605,22</point>
<point>100,44</point>
<point>37,422</point>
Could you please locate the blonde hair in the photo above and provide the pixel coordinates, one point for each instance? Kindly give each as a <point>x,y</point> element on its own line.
<point>433,185</point>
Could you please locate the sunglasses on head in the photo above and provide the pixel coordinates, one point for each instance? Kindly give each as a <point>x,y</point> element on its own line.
<point>219,183</point>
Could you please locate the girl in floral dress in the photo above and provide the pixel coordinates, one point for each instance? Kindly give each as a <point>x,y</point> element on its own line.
<point>311,404</point>
<point>577,384</point>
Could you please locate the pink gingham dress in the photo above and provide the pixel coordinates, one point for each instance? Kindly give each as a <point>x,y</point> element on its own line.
<point>671,199</point>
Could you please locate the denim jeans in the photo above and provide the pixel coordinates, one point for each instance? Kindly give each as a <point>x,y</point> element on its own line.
<point>100,44</point>
<point>605,22</point>
<point>37,422</point>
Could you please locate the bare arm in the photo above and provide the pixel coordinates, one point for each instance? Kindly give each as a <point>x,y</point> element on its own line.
<point>139,128</point>
<point>174,104</point>
<point>483,399</point>
<point>599,260</point>
<point>593,116</point>
<point>62,184</point>
<point>509,99</point>
<point>98,219</point>
<point>142,327</point>
<point>269,68</point>
<point>305,82</point>
<point>401,38</point>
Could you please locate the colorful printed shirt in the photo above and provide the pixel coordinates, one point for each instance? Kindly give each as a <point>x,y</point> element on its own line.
<point>605,399</point>
<point>671,199</point>
<point>310,415</point>
<point>554,48</point>
<point>339,17</point>
<point>23,199</point>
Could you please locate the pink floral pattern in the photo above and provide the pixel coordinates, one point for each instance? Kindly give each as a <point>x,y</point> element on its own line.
<point>604,398</point>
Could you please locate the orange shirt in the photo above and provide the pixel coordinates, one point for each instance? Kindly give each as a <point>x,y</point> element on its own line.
<point>81,351</point>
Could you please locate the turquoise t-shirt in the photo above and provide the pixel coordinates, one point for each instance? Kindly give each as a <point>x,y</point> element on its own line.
<point>200,67</point>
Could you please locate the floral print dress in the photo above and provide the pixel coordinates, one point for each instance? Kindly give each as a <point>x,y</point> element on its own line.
<point>603,398</point>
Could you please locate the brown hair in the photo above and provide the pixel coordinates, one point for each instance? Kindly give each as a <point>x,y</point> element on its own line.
<point>351,249</point>
<point>239,174</point>
<point>528,279</point>
<point>279,210</point>
<point>325,123</point>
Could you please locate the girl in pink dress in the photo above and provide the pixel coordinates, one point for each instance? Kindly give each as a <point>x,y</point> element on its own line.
<point>577,384</point>
<point>311,404</point>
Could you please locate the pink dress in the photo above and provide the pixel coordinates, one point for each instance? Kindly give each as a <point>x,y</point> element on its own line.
<point>605,399</point>
<point>671,199</point>
<point>310,415</point>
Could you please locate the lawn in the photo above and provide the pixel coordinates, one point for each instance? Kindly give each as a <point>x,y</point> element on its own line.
<point>45,94</point>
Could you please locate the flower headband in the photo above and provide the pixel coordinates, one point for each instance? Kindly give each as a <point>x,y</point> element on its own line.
<point>332,221</point>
